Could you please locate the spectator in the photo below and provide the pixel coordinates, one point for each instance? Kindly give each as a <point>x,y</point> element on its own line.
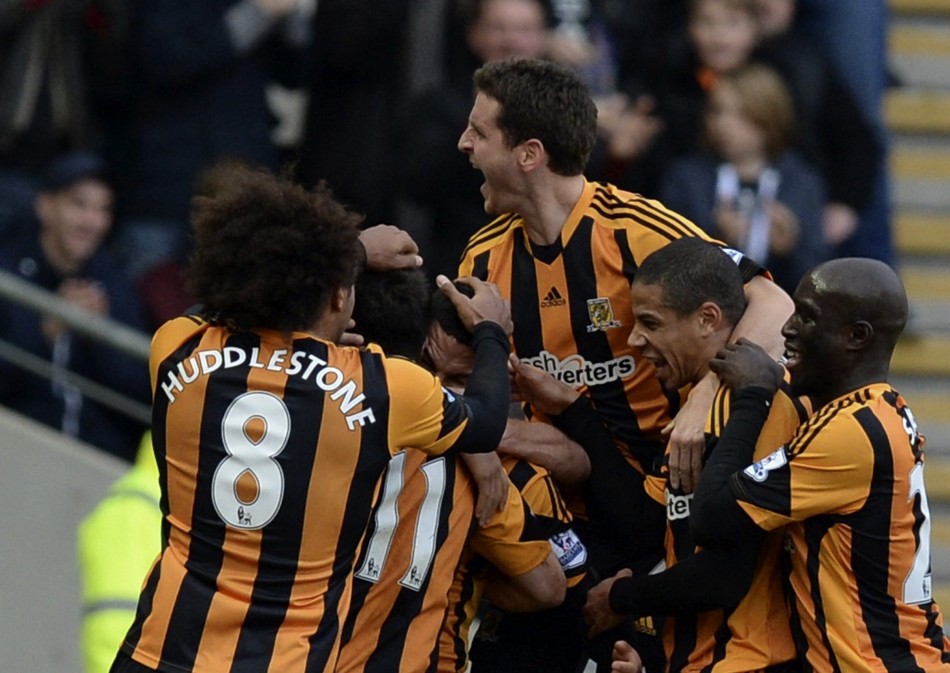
<point>433,175</point>
<point>201,70</point>
<point>355,85</point>
<point>65,256</point>
<point>56,64</point>
<point>724,35</point>
<point>751,191</point>
<point>580,39</point>
<point>837,50</point>
<point>719,37</point>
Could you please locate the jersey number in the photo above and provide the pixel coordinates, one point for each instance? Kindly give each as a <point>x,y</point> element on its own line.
<point>917,586</point>
<point>387,518</point>
<point>248,485</point>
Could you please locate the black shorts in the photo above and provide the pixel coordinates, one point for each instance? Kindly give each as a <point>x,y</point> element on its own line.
<point>553,640</point>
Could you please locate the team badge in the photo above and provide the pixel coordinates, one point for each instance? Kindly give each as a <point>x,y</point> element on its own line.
<point>760,471</point>
<point>601,315</point>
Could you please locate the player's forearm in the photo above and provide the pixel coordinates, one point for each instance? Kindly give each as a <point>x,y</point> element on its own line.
<point>768,307</point>
<point>539,589</point>
<point>487,394</point>
<point>707,580</point>
<point>716,520</point>
<point>548,447</point>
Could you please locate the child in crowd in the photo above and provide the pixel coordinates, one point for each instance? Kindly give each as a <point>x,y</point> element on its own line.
<point>749,189</point>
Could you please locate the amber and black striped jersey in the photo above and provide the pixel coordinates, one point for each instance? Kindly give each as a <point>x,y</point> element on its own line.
<point>545,525</point>
<point>408,562</point>
<point>849,490</point>
<point>756,633</point>
<point>270,450</point>
<point>570,302</point>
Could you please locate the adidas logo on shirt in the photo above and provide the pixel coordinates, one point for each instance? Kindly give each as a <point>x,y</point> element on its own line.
<point>553,298</point>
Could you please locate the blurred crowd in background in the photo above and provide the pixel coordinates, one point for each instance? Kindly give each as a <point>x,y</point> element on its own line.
<point>757,119</point>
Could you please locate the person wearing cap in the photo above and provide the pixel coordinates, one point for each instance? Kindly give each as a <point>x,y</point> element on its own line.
<point>64,254</point>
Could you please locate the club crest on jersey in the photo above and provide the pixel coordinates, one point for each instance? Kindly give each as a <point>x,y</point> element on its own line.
<point>759,471</point>
<point>601,315</point>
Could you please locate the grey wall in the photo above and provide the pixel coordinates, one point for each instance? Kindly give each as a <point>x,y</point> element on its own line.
<point>47,485</point>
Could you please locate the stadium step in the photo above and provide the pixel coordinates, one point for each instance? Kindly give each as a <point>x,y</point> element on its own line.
<point>926,282</point>
<point>920,233</point>
<point>910,7</point>
<point>917,111</point>
<point>917,114</point>
<point>919,37</point>
<point>919,161</point>
<point>922,355</point>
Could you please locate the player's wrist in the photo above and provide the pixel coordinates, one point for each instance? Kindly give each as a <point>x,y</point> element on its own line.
<point>622,596</point>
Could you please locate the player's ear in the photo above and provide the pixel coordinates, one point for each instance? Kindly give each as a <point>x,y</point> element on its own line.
<point>531,154</point>
<point>339,298</point>
<point>710,316</point>
<point>860,335</point>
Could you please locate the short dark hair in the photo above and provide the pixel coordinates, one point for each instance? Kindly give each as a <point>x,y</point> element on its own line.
<point>543,100</point>
<point>692,271</point>
<point>269,253</point>
<point>392,310</point>
<point>444,313</point>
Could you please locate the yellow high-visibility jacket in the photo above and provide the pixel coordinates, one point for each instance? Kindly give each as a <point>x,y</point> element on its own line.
<point>117,544</point>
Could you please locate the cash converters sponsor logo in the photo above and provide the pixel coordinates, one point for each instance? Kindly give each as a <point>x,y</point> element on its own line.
<point>577,372</point>
<point>553,298</point>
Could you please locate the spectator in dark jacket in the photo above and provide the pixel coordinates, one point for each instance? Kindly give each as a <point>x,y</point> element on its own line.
<point>65,256</point>
<point>57,60</point>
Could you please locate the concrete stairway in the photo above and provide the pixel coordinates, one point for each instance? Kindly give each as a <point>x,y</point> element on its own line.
<point>918,116</point>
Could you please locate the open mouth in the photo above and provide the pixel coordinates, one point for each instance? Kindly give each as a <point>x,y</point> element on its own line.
<point>659,364</point>
<point>791,357</point>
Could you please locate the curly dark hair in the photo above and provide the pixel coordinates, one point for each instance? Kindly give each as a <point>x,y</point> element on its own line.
<point>543,100</point>
<point>269,253</point>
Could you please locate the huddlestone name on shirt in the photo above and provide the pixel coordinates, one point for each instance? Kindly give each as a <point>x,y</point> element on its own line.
<point>301,364</point>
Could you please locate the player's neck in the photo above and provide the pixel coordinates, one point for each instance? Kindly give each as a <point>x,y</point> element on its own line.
<point>848,382</point>
<point>548,206</point>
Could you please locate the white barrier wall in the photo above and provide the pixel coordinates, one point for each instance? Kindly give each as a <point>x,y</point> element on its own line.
<point>47,485</point>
